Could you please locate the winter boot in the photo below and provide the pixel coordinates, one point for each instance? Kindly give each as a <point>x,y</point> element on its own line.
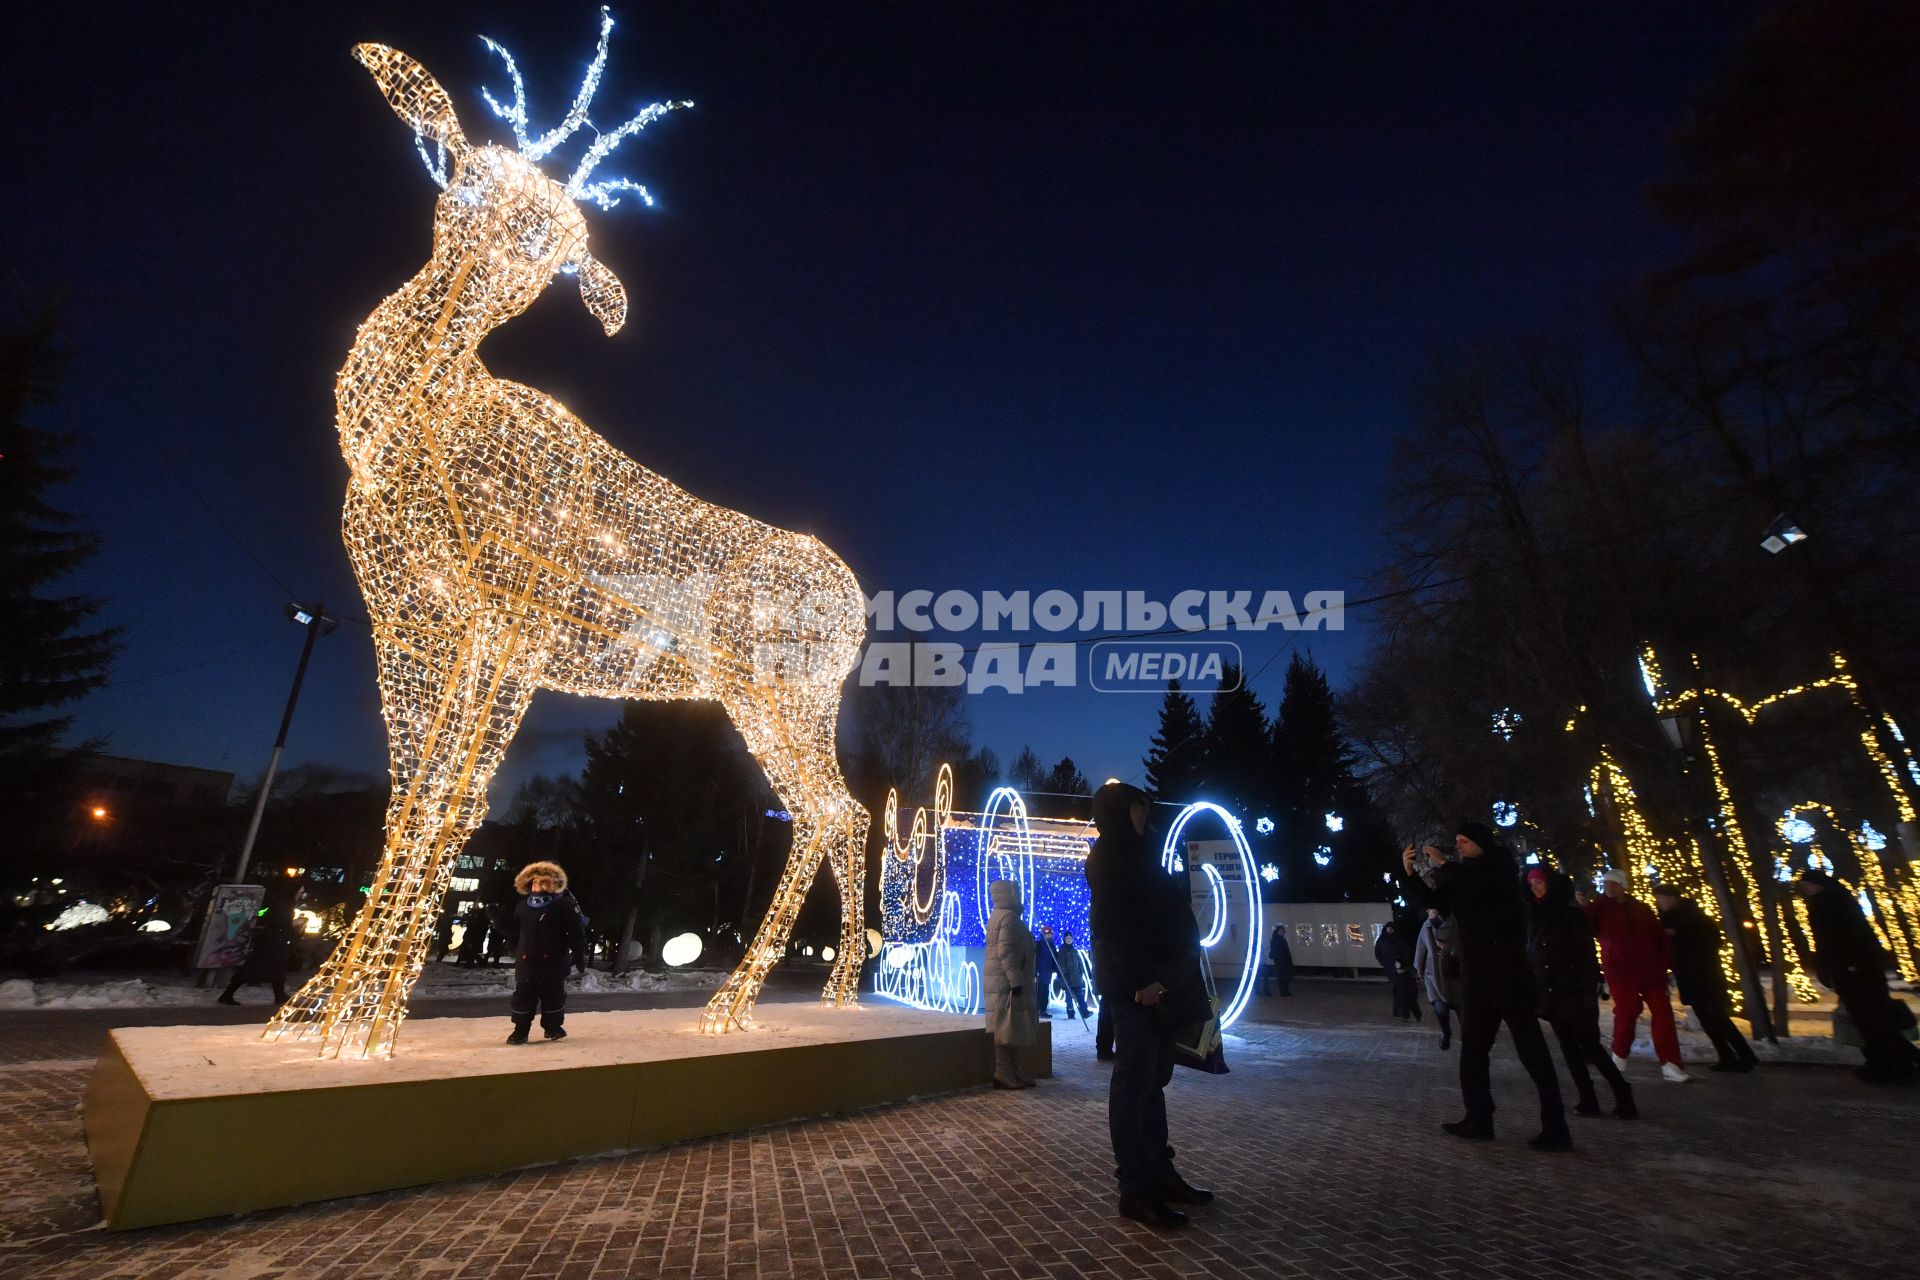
<point>1006,1071</point>
<point>1019,1071</point>
<point>519,1036</point>
<point>1623,1106</point>
<point>1589,1104</point>
<point>1479,1130</point>
<point>1551,1140</point>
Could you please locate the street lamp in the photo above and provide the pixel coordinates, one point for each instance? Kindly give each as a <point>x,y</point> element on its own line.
<point>1683,731</point>
<point>314,618</point>
<point>1781,534</point>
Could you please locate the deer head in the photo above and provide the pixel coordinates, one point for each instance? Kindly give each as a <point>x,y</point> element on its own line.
<point>499,210</point>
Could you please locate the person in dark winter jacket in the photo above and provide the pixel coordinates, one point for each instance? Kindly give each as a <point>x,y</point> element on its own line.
<point>549,937</point>
<point>1143,927</point>
<point>1393,949</point>
<point>1046,967</point>
<point>1281,955</point>
<point>473,939</point>
<point>1635,953</point>
<point>1848,958</point>
<point>1566,982</point>
<point>271,948</point>
<point>1481,892</point>
<point>1436,964</point>
<point>1695,943</point>
<point>1073,975</point>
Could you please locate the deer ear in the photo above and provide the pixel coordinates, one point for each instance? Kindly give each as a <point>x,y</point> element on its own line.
<point>415,96</point>
<point>603,293</point>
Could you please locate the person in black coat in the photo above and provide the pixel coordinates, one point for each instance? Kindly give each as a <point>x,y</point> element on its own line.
<point>1481,892</point>
<point>549,937</point>
<point>1848,958</point>
<point>1143,928</point>
<point>1393,949</point>
<point>1697,972</point>
<point>1046,965</point>
<point>473,939</point>
<point>1566,983</point>
<point>1281,954</point>
<point>270,949</point>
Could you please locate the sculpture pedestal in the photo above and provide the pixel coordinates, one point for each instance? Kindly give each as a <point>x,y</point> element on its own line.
<point>192,1122</point>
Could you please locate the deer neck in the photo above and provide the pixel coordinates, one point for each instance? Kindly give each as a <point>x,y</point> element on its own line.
<point>415,353</point>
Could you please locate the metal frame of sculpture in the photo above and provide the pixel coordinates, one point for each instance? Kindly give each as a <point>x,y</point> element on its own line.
<point>503,547</point>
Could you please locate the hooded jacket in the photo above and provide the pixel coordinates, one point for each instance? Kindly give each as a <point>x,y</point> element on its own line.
<point>1007,972</point>
<point>1566,974</point>
<point>1393,951</point>
<point>1482,895</point>
<point>549,933</point>
<point>1141,917</point>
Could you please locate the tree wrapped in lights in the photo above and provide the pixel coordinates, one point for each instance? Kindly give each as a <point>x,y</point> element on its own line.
<point>503,547</point>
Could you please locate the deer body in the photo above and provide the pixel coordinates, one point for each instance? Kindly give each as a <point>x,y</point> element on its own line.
<point>503,547</point>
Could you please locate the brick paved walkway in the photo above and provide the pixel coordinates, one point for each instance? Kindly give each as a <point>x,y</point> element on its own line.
<point>1322,1142</point>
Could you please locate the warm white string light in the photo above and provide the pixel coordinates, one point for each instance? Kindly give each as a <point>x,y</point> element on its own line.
<point>503,547</point>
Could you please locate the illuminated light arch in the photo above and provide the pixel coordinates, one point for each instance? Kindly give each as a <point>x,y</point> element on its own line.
<point>1250,966</point>
<point>503,547</point>
<point>1008,851</point>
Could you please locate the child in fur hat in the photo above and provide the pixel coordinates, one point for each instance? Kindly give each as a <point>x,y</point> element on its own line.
<point>549,936</point>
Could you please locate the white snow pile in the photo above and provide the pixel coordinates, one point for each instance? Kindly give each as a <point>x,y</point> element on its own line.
<point>439,982</point>
<point>123,993</point>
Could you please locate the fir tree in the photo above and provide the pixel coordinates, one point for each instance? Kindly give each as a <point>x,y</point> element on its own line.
<point>1238,765</point>
<point>49,657</point>
<point>1312,779</point>
<point>1176,759</point>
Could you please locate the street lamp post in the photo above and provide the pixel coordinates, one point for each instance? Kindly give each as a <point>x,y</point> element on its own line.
<point>1683,730</point>
<point>314,618</point>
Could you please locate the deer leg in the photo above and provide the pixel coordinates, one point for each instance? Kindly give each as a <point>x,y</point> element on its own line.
<point>452,704</point>
<point>847,854</point>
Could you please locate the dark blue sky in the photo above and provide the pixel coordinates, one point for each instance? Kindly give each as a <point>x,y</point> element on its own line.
<point>1107,297</point>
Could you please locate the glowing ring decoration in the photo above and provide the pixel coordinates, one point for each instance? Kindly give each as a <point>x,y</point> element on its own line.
<point>1218,929</point>
<point>1018,863</point>
<point>1250,966</point>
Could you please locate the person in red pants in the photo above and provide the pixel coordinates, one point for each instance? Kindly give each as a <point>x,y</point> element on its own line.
<point>1635,953</point>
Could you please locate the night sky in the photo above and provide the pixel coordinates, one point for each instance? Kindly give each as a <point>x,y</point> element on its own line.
<point>1102,297</point>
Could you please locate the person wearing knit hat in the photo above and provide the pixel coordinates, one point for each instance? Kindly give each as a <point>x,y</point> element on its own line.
<point>1635,954</point>
<point>1481,892</point>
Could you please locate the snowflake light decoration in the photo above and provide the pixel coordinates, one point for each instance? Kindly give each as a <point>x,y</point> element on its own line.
<point>503,547</point>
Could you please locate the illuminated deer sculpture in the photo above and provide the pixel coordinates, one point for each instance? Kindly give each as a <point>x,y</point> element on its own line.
<point>503,547</point>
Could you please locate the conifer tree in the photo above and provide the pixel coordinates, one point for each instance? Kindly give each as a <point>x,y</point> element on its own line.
<point>1177,756</point>
<point>50,655</point>
<point>1238,768</point>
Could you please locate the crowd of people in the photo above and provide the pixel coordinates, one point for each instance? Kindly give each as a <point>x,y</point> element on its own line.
<point>1503,946</point>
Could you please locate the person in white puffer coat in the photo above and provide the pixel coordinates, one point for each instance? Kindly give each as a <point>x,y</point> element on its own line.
<point>1012,1015</point>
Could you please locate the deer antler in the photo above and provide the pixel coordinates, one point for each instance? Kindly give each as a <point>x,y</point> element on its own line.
<point>602,193</point>
<point>605,194</point>
<point>576,116</point>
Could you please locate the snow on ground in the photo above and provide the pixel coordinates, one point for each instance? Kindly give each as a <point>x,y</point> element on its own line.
<point>441,981</point>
